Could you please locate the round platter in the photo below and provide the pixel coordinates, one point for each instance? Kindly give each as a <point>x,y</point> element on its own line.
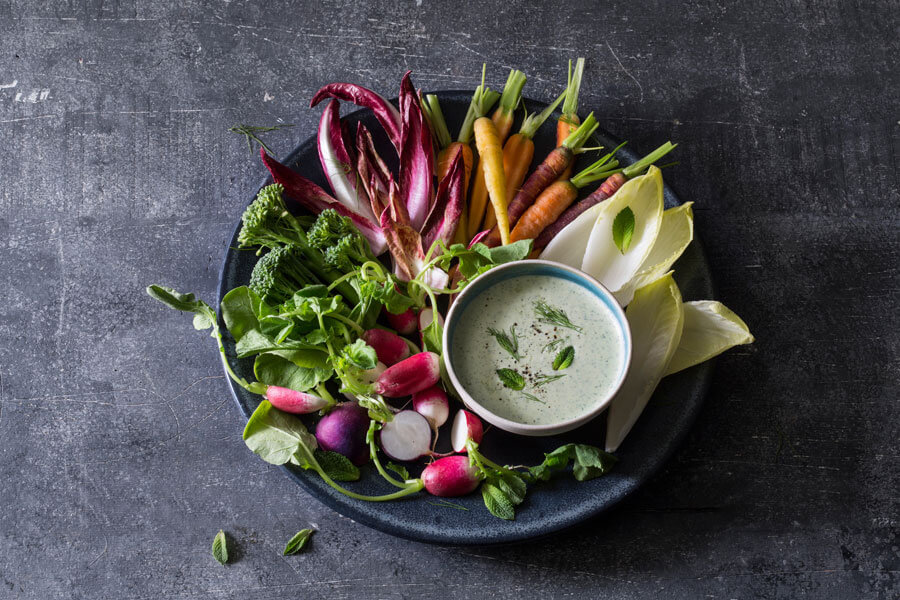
<point>549,507</point>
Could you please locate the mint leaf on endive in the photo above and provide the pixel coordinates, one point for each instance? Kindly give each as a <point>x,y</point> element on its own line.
<point>623,229</point>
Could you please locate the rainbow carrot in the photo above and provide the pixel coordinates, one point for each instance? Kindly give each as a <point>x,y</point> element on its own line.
<point>568,121</point>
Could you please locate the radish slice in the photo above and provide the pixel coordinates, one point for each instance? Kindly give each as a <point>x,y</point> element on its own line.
<point>466,426</point>
<point>407,436</point>
<point>433,405</point>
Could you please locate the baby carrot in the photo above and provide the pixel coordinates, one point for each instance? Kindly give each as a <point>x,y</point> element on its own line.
<point>487,140</point>
<point>503,119</point>
<point>568,121</point>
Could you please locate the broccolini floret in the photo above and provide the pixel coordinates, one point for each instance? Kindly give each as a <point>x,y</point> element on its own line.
<point>279,274</point>
<point>343,245</point>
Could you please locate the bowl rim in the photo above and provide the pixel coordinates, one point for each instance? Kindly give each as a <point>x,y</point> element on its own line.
<point>515,427</point>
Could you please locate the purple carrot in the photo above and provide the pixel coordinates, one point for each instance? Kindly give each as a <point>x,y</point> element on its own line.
<point>385,112</point>
<point>416,156</point>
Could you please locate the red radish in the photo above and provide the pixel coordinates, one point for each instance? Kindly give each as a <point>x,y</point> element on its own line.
<point>343,430</point>
<point>409,376</point>
<point>407,436</point>
<point>450,476</point>
<point>433,405</point>
<point>292,401</point>
<point>389,347</point>
<point>404,323</point>
<point>466,426</point>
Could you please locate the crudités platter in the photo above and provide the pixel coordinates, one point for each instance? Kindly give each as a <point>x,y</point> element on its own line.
<point>554,505</point>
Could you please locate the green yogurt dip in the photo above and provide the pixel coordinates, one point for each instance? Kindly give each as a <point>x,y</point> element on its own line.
<point>516,309</point>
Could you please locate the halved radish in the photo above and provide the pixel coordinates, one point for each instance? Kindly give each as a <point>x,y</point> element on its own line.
<point>407,436</point>
<point>426,316</point>
<point>433,405</point>
<point>466,426</point>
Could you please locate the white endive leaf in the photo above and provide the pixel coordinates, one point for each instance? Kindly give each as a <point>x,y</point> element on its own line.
<point>675,234</point>
<point>656,318</point>
<point>569,244</point>
<point>602,259</point>
<point>710,328</point>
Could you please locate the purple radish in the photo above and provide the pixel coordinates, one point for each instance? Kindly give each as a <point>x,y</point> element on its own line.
<point>404,323</point>
<point>416,373</point>
<point>432,403</point>
<point>292,401</point>
<point>450,476</point>
<point>389,347</point>
<point>343,430</point>
<point>407,436</point>
<point>466,426</point>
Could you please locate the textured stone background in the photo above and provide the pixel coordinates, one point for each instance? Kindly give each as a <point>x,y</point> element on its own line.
<point>120,450</point>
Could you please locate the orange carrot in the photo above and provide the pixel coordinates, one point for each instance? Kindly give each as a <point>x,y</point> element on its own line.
<point>503,119</point>
<point>446,156</point>
<point>568,121</point>
<point>549,205</point>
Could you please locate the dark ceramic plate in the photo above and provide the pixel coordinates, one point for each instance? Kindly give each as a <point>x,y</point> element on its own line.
<point>549,507</point>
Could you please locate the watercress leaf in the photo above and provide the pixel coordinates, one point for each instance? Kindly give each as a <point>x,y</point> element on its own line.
<point>311,291</point>
<point>220,548</point>
<point>272,369</point>
<point>174,299</point>
<point>298,542</point>
<point>553,461</point>
<point>510,252</point>
<point>398,469</point>
<point>432,337</point>
<point>277,436</point>
<point>360,355</point>
<point>497,502</point>
<point>202,321</point>
<point>255,342</point>
<point>241,308</point>
<point>623,229</point>
<point>511,379</point>
<point>564,358</point>
<point>337,466</point>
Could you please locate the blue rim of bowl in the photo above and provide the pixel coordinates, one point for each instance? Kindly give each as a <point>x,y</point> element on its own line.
<point>629,488</point>
<point>546,268</point>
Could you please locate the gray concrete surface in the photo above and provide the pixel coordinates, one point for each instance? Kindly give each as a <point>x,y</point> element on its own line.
<point>120,449</point>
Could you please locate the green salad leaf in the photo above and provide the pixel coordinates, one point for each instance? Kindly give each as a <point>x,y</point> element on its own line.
<point>710,328</point>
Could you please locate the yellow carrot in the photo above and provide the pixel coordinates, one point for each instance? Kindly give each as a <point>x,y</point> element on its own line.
<point>491,152</point>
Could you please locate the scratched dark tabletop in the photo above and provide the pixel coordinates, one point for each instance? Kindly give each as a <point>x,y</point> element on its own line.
<point>120,449</point>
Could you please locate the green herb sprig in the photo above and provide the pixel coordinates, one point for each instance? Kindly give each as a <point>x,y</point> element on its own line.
<point>250,133</point>
<point>553,315</point>
<point>545,379</point>
<point>510,342</point>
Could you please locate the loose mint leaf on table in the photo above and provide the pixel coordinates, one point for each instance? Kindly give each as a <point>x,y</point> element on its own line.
<point>298,542</point>
<point>220,548</point>
<point>511,379</point>
<point>564,358</point>
<point>623,229</point>
<point>337,466</point>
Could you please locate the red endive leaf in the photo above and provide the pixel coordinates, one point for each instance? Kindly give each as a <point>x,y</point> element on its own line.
<point>416,156</point>
<point>337,164</point>
<point>448,205</point>
<point>385,112</point>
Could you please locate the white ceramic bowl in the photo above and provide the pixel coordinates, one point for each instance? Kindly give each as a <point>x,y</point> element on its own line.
<point>542,268</point>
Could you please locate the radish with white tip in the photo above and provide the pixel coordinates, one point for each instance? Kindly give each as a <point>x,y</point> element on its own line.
<point>414,374</point>
<point>406,437</point>
<point>433,404</point>
<point>451,476</point>
<point>292,401</point>
<point>466,426</point>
